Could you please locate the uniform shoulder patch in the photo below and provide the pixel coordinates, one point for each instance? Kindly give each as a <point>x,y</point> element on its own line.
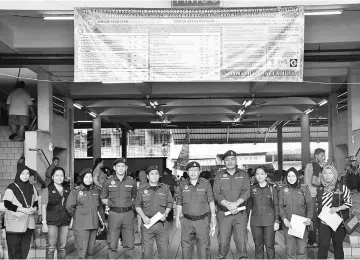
<point>142,186</point>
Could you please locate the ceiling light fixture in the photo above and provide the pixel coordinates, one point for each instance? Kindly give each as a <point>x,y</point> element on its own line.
<point>308,111</point>
<point>160,122</point>
<point>83,121</point>
<point>93,114</point>
<point>58,17</point>
<point>323,12</point>
<point>323,102</point>
<point>78,106</point>
<point>248,103</point>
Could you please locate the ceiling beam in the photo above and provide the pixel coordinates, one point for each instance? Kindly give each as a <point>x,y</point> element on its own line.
<point>256,87</point>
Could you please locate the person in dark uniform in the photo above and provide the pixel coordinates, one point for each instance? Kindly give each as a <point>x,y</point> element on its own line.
<point>195,201</point>
<point>119,193</point>
<point>295,199</point>
<point>55,218</point>
<point>154,197</point>
<point>170,181</point>
<point>231,190</point>
<point>264,221</point>
<point>84,205</point>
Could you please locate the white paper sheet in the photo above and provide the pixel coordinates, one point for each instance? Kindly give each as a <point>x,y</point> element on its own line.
<point>297,226</point>
<point>227,213</point>
<point>332,220</point>
<point>153,220</point>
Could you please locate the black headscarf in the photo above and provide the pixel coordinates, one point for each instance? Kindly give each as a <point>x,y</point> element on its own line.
<point>296,183</point>
<point>82,176</point>
<point>25,187</point>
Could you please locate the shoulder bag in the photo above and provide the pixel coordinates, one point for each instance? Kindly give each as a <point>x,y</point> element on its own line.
<point>17,222</point>
<point>352,223</point>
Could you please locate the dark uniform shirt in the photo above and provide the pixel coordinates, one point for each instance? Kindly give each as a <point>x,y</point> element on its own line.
<point>83,205</point>
<point>231,188</point>
<point>154,199</point>
<point>296,201</point>
<point>119,193</point>
<point>264,205</point>
<point>195,199</point>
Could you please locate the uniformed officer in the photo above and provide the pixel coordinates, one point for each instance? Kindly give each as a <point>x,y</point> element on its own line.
<point>264,206</point>
<point>295,199</point>
<point>154,197</point>
<point>195,201</point>
<point>119,193</point>
<point>231,190</point>
<point>84,205</point>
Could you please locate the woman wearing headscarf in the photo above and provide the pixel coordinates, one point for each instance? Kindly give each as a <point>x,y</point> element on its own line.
<point>335,195</point>
<point>99,175</point>
<point>55,218</point>
<point>84,205</point>
<point>264,221</point>
<point>295,199</point>
<point>20,198</point>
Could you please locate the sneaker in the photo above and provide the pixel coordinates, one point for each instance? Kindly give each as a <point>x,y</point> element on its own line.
<point>12,136</point>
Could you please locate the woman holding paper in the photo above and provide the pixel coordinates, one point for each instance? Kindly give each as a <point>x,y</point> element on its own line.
<point>263,203</point>
<point>84,205</point>
<point>295,199</point>
<point>335,195</point>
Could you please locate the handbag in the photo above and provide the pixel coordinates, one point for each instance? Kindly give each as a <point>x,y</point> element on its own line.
<point>17,222</point>
<point>352,223</point>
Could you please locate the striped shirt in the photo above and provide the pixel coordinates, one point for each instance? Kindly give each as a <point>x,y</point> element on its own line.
<point>327,198</point>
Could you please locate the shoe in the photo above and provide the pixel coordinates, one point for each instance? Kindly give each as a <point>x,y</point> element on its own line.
<point>313,245</point>
<point>12,136</point>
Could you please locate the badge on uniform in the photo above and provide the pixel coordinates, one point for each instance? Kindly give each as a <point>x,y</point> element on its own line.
<point>225,175</point>
<point>286,190</point>
<point>254,191</point>
<point>146,191</point>
<point>53,191</point>
<point>186,187</point>
<point>112,182</point>
<point>80,193</point>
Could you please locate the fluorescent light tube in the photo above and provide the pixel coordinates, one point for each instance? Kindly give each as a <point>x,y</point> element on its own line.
<point>58,18</point>
<point>160,122</point>
<point>308,111</point>
<point>84,121</point>
<point>323,102</point>
<point>78,106</point>
<point>93,114</point>
<point>324,12</point>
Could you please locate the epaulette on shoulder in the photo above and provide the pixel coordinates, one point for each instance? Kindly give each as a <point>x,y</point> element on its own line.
<point>204,179</point>
<point>76,188</point>
<point>163,184</point>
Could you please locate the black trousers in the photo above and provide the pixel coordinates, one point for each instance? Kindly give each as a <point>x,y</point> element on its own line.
<point>170,216</point>
<point>312,233</point>
<point>337,237</point>
<point>264,236</point>
<point>19,244</point>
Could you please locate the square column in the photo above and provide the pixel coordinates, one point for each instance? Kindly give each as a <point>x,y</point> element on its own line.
<point>353,111</point>
<point>305,140</point>
<point>280,147</point>
<point>96,138</point>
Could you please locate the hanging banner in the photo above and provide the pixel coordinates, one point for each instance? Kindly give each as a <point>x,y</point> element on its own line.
<point>141,45</point>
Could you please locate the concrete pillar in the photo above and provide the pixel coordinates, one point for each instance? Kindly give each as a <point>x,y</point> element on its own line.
<point>45,105</point>
<point>305,139</point>
<point>69,113</point>
<point>123,143</point>
<point>332,115</point>
<point>96,138</point>
<point>353,96</point>
<point>280,147</point>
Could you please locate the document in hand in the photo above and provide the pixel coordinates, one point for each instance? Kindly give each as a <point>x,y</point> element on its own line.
<point>227,213</point>
<point>332,220</point>
<point>153,220</point>
<point>297,226</point>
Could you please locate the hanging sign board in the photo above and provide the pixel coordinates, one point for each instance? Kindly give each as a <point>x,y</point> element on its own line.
<point>195,3</point>
<point>182,45</point>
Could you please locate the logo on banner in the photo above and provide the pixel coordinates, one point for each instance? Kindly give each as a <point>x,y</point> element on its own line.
<point>293,63</point>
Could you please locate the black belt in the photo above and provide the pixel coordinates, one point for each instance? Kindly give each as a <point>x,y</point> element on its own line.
<point>194,218</point>
<point>120,210</point>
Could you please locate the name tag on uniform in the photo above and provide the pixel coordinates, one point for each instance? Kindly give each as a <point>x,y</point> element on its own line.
<point>53,191</point>
<point>128,186</point>
<point>96,194</point>
<point>225,178</point>
<point>161,193</point>
<point>185,190</point>
<point>200,189</point>
<point>112,186</point>
<point>241,177</point>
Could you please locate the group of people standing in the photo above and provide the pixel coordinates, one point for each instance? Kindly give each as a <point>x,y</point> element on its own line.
<point>202,207</point>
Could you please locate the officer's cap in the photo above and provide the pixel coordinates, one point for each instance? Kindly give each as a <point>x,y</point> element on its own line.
<point>85,171</point>
<point>352,158</point>
<point>229,153</point>
<point>192,164</point>
<point>120,160</point>
<point>151,168</point>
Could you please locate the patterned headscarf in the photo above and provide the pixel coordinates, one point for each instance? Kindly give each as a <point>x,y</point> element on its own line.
<point>329,186</point>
